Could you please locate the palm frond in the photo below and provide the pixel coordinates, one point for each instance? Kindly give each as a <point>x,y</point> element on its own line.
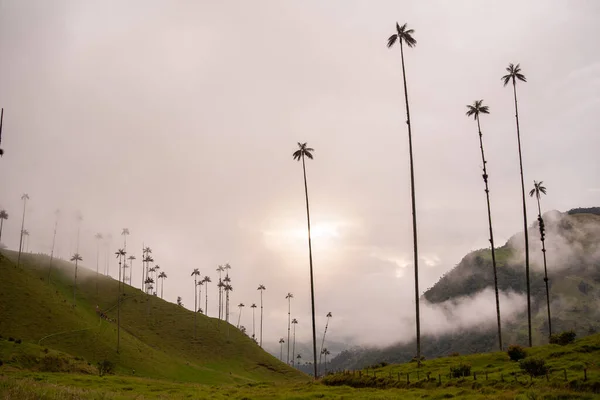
<point>542,189</point>
<point>392,40</point>
<point>484,110</point>
<point>521,77</point>
<point>506,79</point>
<point>532,192</point>
<point>308,155</point>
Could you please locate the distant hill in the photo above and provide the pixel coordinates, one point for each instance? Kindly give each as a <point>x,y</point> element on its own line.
<point>573,244</point>
<point>156,336</point>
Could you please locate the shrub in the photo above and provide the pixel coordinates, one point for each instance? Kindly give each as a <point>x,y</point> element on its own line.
<point>516,352</point>
<point>11,339</point>
<point>1,363</point>
<point>534,366</point>
<point>105,367</point>
<point>455,354</point>
<point>46,350</point>
<point>563,338</point>
<point>18,341</point>
<point>414,359</point>
<point>460,370</point>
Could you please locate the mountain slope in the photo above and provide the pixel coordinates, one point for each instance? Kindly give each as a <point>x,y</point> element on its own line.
<point>156,336</point>
<point>573,244</point>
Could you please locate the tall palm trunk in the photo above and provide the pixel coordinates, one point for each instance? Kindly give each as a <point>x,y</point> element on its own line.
<point>543,239</point>
<point>52,250</point>
<point>162,286</point>
<point>323,342</point>
<point>206,300</point>
<point>261,316</point>
<point>97,263</point>
<point>414,210</point>
<point>21,239</point>
<point>119,308</point>
<point>524,219</point>
<point>312,285</point>
<point>253,321</point>
<point>1,226</point>
<point>288,339</point>
<point>294,346</point>
<point>75,283</point>
<point>489,210</point>
<point>239,318</point>
<point>195,305</point>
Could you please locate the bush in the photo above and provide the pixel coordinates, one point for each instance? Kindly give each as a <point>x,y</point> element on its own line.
<point>377,365</point>
<point>18,341</point>
<point>1,363</point>
<point>11,339</point>
<point>460,370</point>
<point>534,366</point>
<point>563,338</point>
<point>455,354</point>
<point>414,359</point>
<point>516,352</point>
<point>105,367</point>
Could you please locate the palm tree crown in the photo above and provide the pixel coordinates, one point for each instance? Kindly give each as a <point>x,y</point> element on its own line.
<point>261,287</point>
<point>3,214</point>
<point>514,74</point>
<point>303,151</point>
<point>537,189</point>
<point>402,34</point>
<point>76,257</point>
<point>195,272</point>
<point>477,108</point>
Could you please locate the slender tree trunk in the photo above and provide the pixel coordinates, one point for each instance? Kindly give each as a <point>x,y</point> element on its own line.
<point>541,221</point>
<point>414,210</point>
<point>294,346</point>
<point>205,300</point>
<point>312,285</point>
<point>261,316</point>
<point>524,219</point>
<point>323,342</point>
<point>288,339</point>
<point>75,283</point>
<point>195,306</point>
<point>119,309</point>
<point>162,286</point>
<point>239,318</point>
<point>130,272</point>
<point>21,239</point>
<point>253,320</point>
<point>1,226</point>
<point>489,210</point>
<point>281,352</point>
<point>97,263</point>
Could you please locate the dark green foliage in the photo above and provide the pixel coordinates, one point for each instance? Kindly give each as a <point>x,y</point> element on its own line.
<point>460,370</point>
<point>380,365</point>
<point>105,367</point>
<point>18,341</point>
<point>414,359</point>
<point>563,338</point>
<point>588,210</point>
<point>534,366</point>
<point>454,354</point>
<point>516,352</point>
<point>10,339</point>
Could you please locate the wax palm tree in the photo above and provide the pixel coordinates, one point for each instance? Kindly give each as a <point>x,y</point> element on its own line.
<point>324,333</point>
<point>475,110</point>
<point>514,75</point>
<point>404,36</point>
<point>3,216</point>
<point>537,191</point>
<point>199,286</point>
<point>76,257</point>
<point>121,253</point>
<point>220,270</point>
<point>300,155</point>
<point>195,274</point>
<point>24,197</point>
<point>125,233</point>
<point>299,358</point>
<point>325,352</point>
<point>240,306</point>
<point>162,277</point>
<point>26,235</point>
<point>146,251</point>
<point>261,288</point>
<point>281,342</point>
<point>148,260</point>
<point>294,322</point>
<point>57,213</point>
<point>1,120</point>
<point>226,281</point>
<point>207,281</point>
<point>125,267</point>
<point>253,307</point>
<point>289,298</point>
<point>131,258</point>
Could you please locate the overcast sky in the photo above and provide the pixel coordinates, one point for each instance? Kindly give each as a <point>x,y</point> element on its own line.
<point>178,119</point>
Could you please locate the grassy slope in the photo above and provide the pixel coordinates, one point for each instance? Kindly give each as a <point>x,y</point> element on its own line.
<point>156,336</point>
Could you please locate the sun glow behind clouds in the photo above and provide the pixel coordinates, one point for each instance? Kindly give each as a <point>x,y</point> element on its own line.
<point>293,236</point>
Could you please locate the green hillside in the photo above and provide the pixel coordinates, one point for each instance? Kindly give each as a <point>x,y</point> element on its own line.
<point>573,242</point>
<point>156,336</point>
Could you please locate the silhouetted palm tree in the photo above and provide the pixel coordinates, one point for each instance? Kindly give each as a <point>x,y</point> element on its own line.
<point>199,286</point>
<point>220,269</point>
<point>121,256</point>
<point>324,333</point>
<point>1,120</point>
<point>253,307</point>
<point>162,276</point>
<point>24,197</point>
<point>207,281</point>
<point>538,190</point>
<point>300,154</point>
<point>298,357</point>
<point>195,274</point>
<point>3,216</point>
<point>514,75</point>
<point>240,306</point>
<point>281,342</point>
<point>294,322</point>
<point>404,36</point>
<point>125,233</point>
<point>57,213</point>
<point>289,298</point>
<point>325,352</point>
<point>475,110</point>
<point>76,257</point>
<point>226,281</point>
<point>146,251</point>
<point>261,288</point>
<point>131,258</point>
